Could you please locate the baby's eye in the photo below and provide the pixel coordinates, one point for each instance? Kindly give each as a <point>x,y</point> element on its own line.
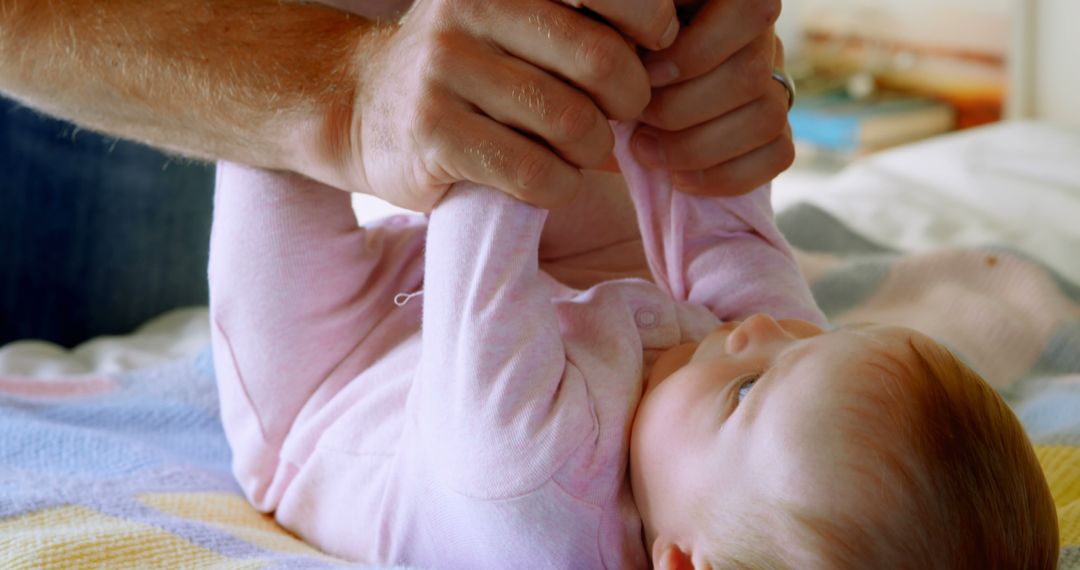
<point>747,383</point>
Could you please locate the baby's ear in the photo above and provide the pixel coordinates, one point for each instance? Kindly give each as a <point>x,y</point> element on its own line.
<point>671,557</point>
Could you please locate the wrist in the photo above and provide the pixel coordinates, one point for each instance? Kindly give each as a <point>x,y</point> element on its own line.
<point>318,143</point>
<point>324,141</point>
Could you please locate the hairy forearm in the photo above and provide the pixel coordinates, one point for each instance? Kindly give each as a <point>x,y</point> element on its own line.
<point>254,81</point>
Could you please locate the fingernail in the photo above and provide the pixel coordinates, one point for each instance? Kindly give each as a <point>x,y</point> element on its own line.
<point>688,178</point>
<point>647,148</point>
<point>661,72</point>
<point>670,33</point>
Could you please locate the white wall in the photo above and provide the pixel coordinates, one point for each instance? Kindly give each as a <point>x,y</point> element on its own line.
<point>1056,71</point>
<point>970,25</point>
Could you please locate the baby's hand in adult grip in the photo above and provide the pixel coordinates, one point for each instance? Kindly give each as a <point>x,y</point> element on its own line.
<point>514,94</point>
<point>717,119</point>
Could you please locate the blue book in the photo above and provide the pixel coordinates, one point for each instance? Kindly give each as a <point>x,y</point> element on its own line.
<point>835,123</point>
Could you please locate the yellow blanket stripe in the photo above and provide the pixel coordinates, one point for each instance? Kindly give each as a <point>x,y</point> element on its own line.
<point>77,537</point>
<point>1062,467</point>
<point>231,513</point>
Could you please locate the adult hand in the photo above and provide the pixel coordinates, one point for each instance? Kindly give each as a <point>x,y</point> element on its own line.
<point>513,94</point>
<point>717,118</point>
<point>651,24</point>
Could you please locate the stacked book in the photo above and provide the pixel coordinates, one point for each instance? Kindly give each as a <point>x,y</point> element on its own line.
<point>835,125</point>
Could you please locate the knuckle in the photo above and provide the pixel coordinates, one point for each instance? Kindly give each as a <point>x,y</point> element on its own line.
<point>426,123</point>
<point>431,160</point>
<point>552,24</point>
<point>464,13</point>
<point>774,116</point>
<point>440,56</point>
<point>530,95</point>
<point>785,153</point>
<point>598,56</point>
<point>531,171</point>
<point>772,10</point>
<point>467,10</point>
<point>429,122</point>
<point>758,68</point>
<point>768,11</point>
<point>761,66</point>
<point>575,121</point>
<point>754,75</point>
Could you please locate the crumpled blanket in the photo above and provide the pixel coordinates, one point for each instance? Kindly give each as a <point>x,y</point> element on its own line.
<point>132,470</point>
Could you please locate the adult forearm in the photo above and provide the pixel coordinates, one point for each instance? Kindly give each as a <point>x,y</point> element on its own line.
<point>256,81</point>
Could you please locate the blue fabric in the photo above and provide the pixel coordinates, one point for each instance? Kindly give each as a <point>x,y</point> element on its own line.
<point>150,432</point>
<point>96,235</point>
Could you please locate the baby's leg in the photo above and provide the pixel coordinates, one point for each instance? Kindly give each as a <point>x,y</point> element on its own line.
<point>295,286</point>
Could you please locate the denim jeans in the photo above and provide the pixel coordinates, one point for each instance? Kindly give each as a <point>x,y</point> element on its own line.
<point>96,235</point>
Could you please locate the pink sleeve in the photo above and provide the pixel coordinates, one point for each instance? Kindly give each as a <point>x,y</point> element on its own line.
<point>724,253</point>
<point>496,403</point>
<point>295,289</point>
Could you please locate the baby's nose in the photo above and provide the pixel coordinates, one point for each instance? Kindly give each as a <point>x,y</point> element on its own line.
<point>757,329</point>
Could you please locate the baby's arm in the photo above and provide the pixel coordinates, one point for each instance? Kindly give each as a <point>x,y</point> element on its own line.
<point>724,253</point>
<point>296,289</point>
<point>495,402</point>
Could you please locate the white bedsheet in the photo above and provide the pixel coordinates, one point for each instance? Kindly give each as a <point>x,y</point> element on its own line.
<point>1011,183</point>
<point>174,335</point>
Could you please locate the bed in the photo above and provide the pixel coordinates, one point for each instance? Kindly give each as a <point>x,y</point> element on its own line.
<point>113,456</point>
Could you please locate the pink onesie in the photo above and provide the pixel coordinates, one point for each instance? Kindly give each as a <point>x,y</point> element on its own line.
<point>485,423</point>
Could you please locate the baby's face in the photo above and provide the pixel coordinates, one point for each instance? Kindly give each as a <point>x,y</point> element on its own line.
<point>745,415</point>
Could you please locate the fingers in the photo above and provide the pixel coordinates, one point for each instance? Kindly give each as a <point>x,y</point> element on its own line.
<point>481,150</point>
<point>512,94</point>
<point>778,52</point>
<point>652,24</point>
<point>746,76</point>
<point>715,142</point>
<point>522,97</point>
<point>742,174</point>
<point>719,29</point>
<point>587,53</point>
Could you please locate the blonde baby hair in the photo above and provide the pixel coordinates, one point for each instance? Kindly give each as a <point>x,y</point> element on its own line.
<point>945,472</point>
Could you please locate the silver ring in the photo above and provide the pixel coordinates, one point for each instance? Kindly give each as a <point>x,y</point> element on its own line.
<point>788,83</point>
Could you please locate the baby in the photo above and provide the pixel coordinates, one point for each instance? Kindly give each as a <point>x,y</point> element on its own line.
<point>490,421</point>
